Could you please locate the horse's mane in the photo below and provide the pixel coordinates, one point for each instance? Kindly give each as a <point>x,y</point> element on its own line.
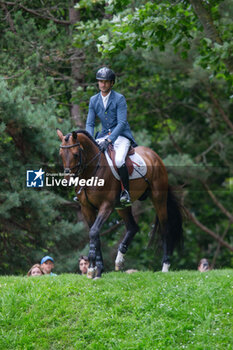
<point>86,133</point>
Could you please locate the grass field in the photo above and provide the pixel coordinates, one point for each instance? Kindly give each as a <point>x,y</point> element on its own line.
<point>145,310</point>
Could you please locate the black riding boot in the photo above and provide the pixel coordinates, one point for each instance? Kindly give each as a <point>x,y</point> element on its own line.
<point>124,197</point>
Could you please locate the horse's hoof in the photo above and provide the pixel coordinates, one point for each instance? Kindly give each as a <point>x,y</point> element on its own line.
<point>117,268</point>
<point>119,262</point>
<point>96,278</point>
<point>165,267</point>
<point>91,272</point>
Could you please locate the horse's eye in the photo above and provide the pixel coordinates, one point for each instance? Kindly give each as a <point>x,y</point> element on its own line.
<point>75,155</point>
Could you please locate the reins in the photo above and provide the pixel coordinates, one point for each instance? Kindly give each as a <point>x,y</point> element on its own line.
<point>80,163</point>
<point>83,167</point>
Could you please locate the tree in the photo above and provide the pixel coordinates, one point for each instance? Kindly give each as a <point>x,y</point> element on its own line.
<point>36,89</point>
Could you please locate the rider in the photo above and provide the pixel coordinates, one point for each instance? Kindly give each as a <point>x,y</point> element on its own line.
<point>111,108</point>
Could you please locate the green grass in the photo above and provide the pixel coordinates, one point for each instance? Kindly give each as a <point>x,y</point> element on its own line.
<point>145,310</point>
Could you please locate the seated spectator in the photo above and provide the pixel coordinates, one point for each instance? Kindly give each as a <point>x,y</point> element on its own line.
<point>35,270</point>
<point>83,264</point>
<point>203,265</point>
<point>47,264</point>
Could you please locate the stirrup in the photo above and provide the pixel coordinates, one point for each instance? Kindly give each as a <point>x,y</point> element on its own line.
<point>125,198</point>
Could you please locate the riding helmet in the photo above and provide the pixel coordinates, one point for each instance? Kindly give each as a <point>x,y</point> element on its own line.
<point>105,74</point>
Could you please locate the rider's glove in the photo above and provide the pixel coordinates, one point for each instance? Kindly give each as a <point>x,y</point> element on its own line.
<point>104,145</point>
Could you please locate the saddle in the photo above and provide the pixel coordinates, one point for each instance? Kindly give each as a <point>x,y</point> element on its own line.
<point>128,162</point>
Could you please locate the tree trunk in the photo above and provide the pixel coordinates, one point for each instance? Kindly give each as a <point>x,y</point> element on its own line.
<point>76,61</point>
<point>211,31</point>
<point>219,108</point>
<point>206,20</point>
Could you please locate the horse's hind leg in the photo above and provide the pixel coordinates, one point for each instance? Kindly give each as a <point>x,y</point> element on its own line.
<point>160,204</point>
<point>132,229</point>
<point>166,248</point>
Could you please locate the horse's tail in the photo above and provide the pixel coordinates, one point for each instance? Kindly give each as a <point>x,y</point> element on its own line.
<point>152,233</point>
<point>175,211</point>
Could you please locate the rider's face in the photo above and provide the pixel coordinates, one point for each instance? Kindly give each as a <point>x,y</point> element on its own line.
<point>105,86</point>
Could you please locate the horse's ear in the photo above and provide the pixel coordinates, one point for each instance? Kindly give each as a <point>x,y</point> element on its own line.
<point>74,135</point>
<point>60,134</point>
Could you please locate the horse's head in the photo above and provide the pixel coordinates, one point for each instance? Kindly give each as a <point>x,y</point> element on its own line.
<point>71,152</point>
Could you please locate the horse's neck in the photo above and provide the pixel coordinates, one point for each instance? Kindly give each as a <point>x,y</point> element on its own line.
<point>90,149</point>
<point>93,158</point>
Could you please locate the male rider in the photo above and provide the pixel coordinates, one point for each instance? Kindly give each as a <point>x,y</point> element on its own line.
<point>111,108</point>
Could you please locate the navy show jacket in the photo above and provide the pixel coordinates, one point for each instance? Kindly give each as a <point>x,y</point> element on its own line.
<point>113,118</point>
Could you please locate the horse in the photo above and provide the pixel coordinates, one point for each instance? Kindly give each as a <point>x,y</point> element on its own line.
<point>82,158</point>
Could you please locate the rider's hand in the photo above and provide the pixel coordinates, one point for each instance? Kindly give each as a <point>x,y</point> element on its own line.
<point>104,145</point>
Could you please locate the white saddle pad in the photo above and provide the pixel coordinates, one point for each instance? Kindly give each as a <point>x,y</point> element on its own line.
<point>139,165</point>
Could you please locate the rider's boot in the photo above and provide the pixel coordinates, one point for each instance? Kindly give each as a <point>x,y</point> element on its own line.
<point>124,196</point>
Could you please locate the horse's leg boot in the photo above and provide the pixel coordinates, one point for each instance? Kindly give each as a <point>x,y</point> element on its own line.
<point>165,267</point>
<point>119,262</point>
<point>91,272</point>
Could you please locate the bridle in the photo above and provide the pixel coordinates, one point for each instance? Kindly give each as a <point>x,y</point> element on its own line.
<point>81,166</point>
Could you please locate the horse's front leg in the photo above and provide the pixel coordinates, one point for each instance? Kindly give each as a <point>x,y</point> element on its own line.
<point>132,229</point>
<point>95,255</point>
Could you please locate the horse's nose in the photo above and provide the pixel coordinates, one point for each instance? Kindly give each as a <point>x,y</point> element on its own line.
<point>67,171</point>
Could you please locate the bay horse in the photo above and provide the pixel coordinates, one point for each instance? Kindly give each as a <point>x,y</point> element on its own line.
<point>82,157</point>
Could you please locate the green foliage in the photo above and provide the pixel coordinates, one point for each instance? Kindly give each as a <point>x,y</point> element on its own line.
<point>176,81</point>
<point>188,310</point>
<point>32,221</point>
<point>156,24</point>
<point>35,84</point>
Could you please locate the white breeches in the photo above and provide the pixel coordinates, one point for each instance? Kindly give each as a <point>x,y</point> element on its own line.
<point>121,147</point>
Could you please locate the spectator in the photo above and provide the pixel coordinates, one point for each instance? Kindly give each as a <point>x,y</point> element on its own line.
<point>47,264</point>
<point>83,264</point>
<point>203,265</point>
<point>35,270</point>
